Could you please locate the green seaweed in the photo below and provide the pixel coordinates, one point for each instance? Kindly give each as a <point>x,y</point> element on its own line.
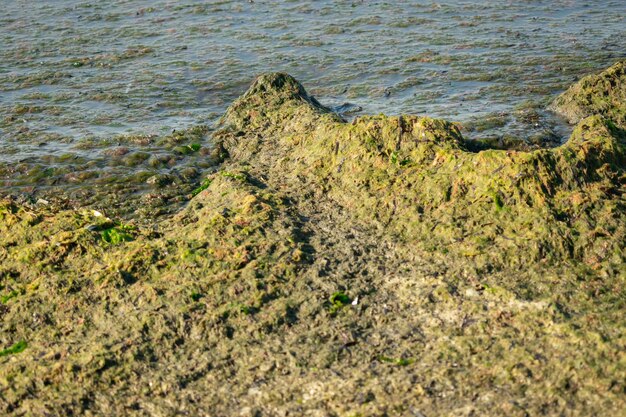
<point>195,296</point>
<point>337,301</point>
<point>188,149</point>
<point>5,298</point>
<point>203,186</point>
<point>238,176</point>
<point>117,234</point>
<point>497,201</point>
<point>16,348</point>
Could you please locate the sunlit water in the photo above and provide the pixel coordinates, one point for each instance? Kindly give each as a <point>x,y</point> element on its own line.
<point>78,78</point>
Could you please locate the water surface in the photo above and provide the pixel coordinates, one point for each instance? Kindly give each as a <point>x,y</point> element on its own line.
<point>90,91</point>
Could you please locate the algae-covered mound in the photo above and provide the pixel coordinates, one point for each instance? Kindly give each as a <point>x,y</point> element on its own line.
<point>603,93</point>
<point>414,178</point>
<point>377,267</point>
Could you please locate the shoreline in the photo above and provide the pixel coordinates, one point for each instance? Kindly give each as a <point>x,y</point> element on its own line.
<point>364,268</point>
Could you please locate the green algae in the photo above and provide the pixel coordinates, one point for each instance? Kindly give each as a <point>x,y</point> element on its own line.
<point>16,348</point>
<point>118,234</point>
<point>398,362</point>
<point>493,280</point>
<point>203,186</point>
<point>337,301</point>
<point>602,93</point>
<point>5,298</point>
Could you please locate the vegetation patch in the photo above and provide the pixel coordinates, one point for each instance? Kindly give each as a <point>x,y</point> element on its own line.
<point>338,300</point>
<point>493,279</point>
<point>398,362</point>
<point>16,348</point>
<point>118,234</point>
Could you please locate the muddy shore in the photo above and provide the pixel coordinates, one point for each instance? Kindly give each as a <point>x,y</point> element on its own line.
<point>383,266</point>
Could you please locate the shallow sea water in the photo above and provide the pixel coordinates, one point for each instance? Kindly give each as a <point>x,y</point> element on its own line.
<point>90,92</point>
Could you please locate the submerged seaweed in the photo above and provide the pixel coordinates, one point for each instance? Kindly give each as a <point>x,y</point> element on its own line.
<point>493,279</point>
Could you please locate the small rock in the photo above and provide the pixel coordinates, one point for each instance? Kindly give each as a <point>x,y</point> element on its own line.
<point>160,180</point>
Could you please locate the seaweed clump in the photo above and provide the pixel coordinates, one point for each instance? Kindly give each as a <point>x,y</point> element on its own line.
<point>495,277</point>
<point>414,178</point>
<point>603,94</point>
